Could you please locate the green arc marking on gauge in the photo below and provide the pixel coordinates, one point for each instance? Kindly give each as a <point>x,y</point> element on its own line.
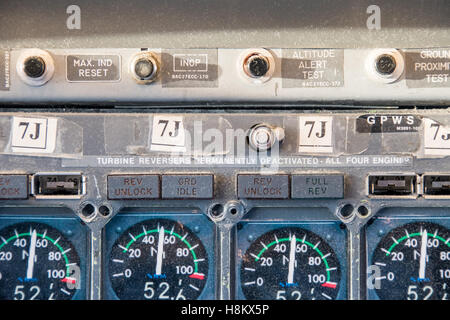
<point>41,235</point>
<point>431,235</point>
<point>169,232</point>
<point>298,240</point>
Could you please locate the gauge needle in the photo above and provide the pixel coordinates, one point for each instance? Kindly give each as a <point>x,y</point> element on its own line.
<point>159,254</point>
<point>31,255</point>
<point>291,260</point>
<point>423,254</point>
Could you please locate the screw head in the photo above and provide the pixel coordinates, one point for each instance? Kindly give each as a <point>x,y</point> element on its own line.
<point>263,137</point>
<point>68,233</point>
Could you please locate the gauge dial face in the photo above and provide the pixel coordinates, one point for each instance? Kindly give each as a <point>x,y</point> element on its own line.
<point>290,264</point>
<point>37,263</point>
<point>158,259</point>
<point>413,262</point>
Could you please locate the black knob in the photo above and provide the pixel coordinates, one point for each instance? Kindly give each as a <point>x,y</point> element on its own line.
<point>386,64</point>
<point>144,68</point>
<point>257,66</point>
<point>34,67</point>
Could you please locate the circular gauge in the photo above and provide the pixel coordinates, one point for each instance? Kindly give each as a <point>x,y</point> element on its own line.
<point>37,262</point>
<point>413,263</point>
<point>290,264</point>
<point>158,259</point>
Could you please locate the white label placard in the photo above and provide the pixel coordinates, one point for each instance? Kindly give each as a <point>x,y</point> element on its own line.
<point>33,135</point>
<point>436,138</point>
<point>168,134</point>
<point>316,134</point>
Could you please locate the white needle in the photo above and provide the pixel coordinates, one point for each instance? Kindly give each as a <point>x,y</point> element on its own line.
<point>159,254</point>
<point>423,254</point>
<point>31,255</point>
<point>292,260</point>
